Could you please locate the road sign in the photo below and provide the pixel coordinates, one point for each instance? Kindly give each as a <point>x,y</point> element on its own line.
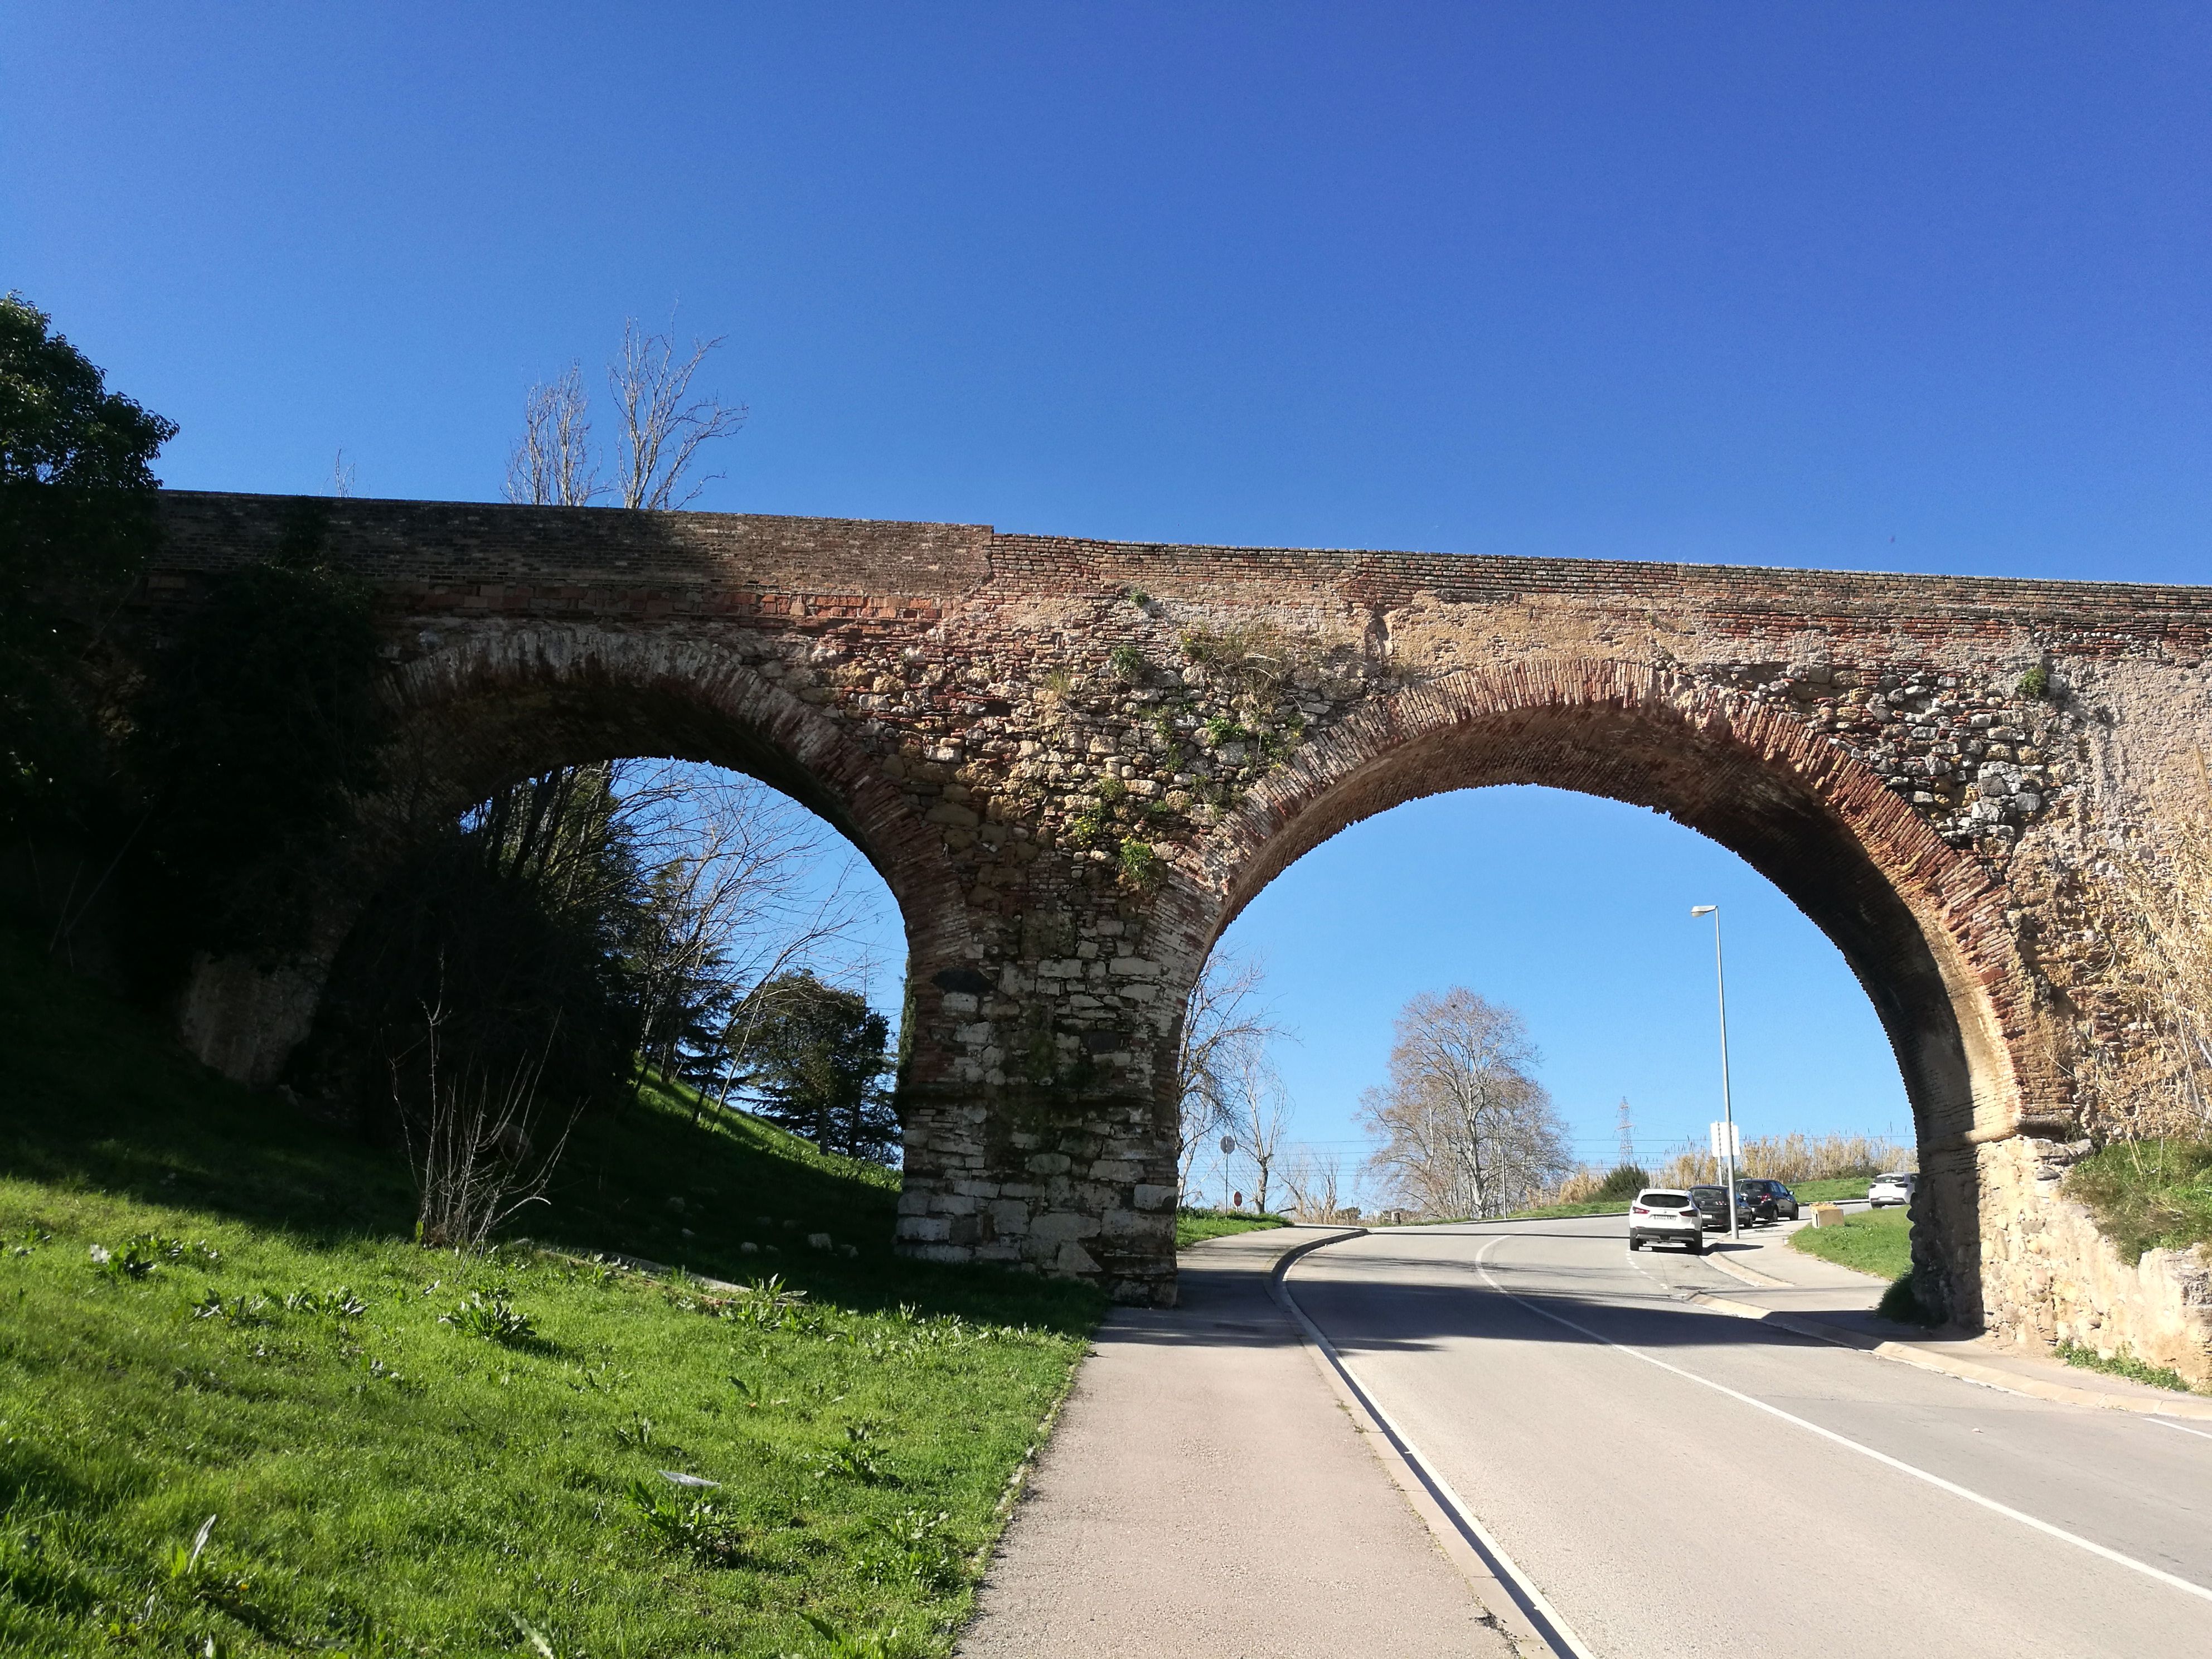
<point>1229,1143</point>
<point>1727,1140</point>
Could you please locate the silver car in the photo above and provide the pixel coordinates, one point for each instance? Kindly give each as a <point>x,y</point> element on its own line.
<point>1666,1215</point>
<point>1892,1189</point>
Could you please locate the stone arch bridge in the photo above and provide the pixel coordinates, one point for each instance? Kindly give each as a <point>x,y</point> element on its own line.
<point>1073,762</point>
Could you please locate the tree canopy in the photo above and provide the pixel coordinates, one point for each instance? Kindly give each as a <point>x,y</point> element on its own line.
<point>816,1062</point>
<point>77,521</point>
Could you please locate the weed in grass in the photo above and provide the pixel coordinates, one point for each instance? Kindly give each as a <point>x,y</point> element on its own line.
<point>492,1317</point>
<point>695,1526</point>
<point>2121,1362</point>
<point>918,1548</point>
<point>838,1643</point>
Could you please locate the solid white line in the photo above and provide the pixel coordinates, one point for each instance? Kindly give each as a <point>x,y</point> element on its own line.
<point>2167,1422</point>
<point>1482,1266</point>
<point>1552,1624</point>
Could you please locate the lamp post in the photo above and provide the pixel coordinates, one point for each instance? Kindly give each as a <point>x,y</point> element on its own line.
<point>1728,1111</point>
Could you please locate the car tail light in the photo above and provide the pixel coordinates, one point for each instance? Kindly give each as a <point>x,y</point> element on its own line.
<point>1637,1209</point>
<point>1692,1210</point>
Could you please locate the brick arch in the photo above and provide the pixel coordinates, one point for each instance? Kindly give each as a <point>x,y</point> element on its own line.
<point>489,708</point>
<point>1920,922</point>
<point>492,709</point>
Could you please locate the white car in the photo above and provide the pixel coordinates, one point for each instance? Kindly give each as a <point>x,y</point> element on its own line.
<point>1666,1215</point>
<point>1895,1188</point>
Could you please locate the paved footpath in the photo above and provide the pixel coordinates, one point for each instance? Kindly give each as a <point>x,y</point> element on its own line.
<point>1206,1496</point>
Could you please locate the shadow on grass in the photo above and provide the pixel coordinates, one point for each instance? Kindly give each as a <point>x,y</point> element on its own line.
<point>100,1096</point>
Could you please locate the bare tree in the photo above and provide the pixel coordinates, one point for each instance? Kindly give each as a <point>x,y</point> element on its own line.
<point>473,1146</point>
<point>1466,1129</point>
<point>1224,1020</point>
<point>1258,1113</point>
<point>664,426</point>
<point>735,912</point>
<point>1315,1180</point>
<point>552,464</point>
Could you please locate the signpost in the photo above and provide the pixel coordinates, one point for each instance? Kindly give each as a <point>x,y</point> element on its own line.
<point>1727,1144</point>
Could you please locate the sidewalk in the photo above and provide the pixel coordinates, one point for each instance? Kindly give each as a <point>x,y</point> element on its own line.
<point>1803,1292</point>
<point>1205,1497</point>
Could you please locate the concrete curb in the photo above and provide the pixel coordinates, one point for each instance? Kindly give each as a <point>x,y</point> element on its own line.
<point>2034,1387</point>
<point>1499,1588</point>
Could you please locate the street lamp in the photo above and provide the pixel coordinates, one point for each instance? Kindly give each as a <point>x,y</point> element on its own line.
<point>1728,1112</point>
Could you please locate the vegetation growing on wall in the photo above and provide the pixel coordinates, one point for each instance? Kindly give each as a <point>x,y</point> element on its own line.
<point>2147,1195</point>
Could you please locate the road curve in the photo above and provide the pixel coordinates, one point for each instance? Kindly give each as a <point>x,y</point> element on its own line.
<point>1676,1481</point>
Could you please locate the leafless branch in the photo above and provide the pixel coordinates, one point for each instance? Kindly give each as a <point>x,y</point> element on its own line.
<point>1224,1022</point>
<point>663,427</point>
<point>471,1144</point>
<point>551,464</point>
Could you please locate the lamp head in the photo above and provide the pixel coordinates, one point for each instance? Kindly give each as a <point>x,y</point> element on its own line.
<point>1696,910</point>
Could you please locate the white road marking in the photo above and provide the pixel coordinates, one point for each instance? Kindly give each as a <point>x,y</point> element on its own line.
<point>1549,1624</point>
<point>2168,1423</point>
<point>1482,1266</point>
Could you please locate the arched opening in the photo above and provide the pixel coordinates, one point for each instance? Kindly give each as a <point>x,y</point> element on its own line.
<point>1572,911</point>
<point>1909,914</point>
<point>491,711</point>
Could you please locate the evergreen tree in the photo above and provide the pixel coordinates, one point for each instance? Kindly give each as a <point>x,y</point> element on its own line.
<point>816,1062</point>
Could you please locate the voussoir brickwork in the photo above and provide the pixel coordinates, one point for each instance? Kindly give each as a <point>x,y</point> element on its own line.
<point>1073,762</point>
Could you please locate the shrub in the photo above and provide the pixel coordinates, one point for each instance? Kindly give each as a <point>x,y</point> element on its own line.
<point>1127,663</point>
<point>1625,1181</point>
<point>1900,1303</point>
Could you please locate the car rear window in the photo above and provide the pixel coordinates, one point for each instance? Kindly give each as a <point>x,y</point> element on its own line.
<point>1666,1200</point>
<point>1705,1191</point>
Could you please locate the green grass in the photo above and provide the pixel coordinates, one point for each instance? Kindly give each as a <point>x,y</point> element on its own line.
<point>1563,1211</point>
<point>1877,1241</point>
<point>1834,1190</point>
<point>412,1453</point>
<point>1194,1226</point>
<point>2147,1195</point>
<point>2123,1363</point>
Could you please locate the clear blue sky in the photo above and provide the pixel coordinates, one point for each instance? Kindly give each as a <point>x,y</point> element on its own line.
<point>1918,287</point>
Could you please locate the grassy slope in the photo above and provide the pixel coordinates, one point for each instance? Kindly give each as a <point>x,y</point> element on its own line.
<point>1877,1241</point>
<point>2147,1195</point>
<point>1192,1226</point>
<point>385,1483</point>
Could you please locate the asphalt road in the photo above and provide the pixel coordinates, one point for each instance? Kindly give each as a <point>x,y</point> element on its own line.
<point>1678,1482</point>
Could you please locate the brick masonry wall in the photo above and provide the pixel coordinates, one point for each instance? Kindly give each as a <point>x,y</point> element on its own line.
<point>1074,761</point>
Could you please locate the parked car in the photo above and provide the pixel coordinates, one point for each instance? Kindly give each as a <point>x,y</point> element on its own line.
<point>1785,1202</point>
<point>1713,1201</point>
<point>1893,1188</point>
<point>1663,1215</point>
<point>1764,1212</point>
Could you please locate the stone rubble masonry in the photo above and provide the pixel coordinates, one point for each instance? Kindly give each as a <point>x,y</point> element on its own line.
<point>2050,1276</point>
<point>1073,762</point>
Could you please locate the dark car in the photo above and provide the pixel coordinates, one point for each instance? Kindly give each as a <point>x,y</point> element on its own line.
<point>1764,1212</point>
<point>1712,1203</point>
<point>1785,1202</point>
